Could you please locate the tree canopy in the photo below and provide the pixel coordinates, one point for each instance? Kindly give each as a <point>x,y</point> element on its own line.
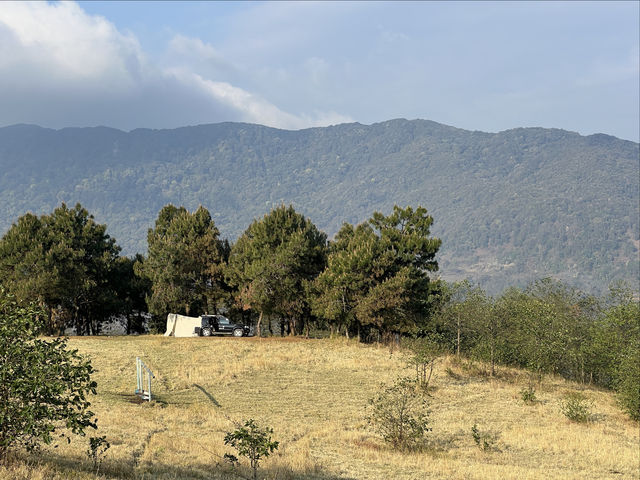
<point>185,263</point>
<point>273,260</point>
<point>61,261</point>
<point>378,273</point>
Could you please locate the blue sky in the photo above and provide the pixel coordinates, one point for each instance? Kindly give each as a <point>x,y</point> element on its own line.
<point>486,66</point>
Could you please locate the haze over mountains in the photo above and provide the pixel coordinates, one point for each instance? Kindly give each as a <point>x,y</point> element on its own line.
<point>509,206</point>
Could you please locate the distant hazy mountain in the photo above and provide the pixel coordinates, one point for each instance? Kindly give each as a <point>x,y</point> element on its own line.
<point>509,207</point>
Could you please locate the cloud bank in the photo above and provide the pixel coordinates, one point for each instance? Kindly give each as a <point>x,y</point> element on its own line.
<point>60,66</point>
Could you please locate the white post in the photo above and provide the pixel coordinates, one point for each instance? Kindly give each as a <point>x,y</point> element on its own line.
<point>140,374</point>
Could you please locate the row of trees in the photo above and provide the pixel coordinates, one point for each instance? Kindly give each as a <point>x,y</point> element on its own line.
<point>547,327</point>
<point>375,275</point>
<point>372,276</point>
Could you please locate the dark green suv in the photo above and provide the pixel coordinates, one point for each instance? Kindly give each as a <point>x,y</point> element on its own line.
<point>221,325</point>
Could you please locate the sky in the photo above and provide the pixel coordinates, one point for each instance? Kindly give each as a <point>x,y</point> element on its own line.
<point>487,66</point>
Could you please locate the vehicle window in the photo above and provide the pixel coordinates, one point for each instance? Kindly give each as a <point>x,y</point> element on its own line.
<point>223,320</point>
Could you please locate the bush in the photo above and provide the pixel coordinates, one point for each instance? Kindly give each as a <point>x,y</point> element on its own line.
<point>97,450</point>
<point>576,407</point>
<point>423,356</point>
<point>484,440</point>
<point>43,386</point>
<point>399,413</point>
<point>252,442</point>
<point>528,395</point>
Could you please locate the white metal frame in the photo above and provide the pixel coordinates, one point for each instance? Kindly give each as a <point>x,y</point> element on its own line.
<point>143,373</point>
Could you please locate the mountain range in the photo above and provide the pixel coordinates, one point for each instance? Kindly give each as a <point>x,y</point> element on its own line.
<point>509,206</point>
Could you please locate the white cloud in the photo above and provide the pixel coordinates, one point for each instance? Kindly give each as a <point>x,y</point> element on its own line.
<point>60,66</point>
<point>66,44</point>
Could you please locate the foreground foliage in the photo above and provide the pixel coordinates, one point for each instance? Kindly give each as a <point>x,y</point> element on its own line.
<point>43,385</point>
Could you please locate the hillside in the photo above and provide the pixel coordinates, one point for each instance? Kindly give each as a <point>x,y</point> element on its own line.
<point>314,393</point>
<point>510,206</point>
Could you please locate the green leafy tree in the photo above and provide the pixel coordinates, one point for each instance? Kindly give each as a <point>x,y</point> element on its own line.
<point>272,262</point>
<point>615,348</point>
<point>458,309</point>
<point>63,262</point>
<point>43,385</point>
<point>185,262</point>
<point>627,380</point>
<point>253,442</point>
<point>423,353</point>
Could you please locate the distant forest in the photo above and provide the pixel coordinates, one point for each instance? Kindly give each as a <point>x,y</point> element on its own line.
<point>510,207</point>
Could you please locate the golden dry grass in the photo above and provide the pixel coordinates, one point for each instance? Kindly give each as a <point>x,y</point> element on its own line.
<point>314,393</point>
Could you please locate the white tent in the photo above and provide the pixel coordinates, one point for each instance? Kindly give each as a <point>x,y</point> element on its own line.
<point>181,326</point>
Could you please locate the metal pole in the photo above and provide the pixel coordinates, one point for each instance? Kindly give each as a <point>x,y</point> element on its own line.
<point>138,372</point>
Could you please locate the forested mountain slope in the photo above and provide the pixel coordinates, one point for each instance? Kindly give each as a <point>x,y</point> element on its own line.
<point>509,206</point>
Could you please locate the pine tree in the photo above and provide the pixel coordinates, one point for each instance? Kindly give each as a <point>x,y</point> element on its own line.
<point>62,261</point>
<point>185,262</point>
<point>272,262</point>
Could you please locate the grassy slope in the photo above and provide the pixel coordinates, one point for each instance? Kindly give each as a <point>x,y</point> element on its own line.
<point>313,393</point>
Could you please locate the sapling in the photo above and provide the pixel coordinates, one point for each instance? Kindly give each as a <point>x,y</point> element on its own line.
<point>252,442</point>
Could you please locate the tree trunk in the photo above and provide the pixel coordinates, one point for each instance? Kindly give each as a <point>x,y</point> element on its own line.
<point>493,362</point>
<point>292,327</point>
<point>259,324</point>
<point>76,322</point>
<point>458,341</point>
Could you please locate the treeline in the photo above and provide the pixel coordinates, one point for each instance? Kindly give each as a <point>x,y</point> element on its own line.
<point>375,281</point>
<point>372,277</point>
<point>547,328</point>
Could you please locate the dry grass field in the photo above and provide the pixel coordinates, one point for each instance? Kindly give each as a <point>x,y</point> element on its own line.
<point>313,393</point>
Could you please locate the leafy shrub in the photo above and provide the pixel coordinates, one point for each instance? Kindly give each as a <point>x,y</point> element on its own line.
<point>484,440</point>
<point>399,413</point>
<point>576,407</point>
<point>252,442</point>
<point>528,395</point>
<point>97,450</point>
<point>424,353</point>
<point>44,385</point>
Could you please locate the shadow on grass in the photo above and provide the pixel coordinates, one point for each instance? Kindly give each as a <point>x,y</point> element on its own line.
<point>81,468</point>
<point>208,395</point>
